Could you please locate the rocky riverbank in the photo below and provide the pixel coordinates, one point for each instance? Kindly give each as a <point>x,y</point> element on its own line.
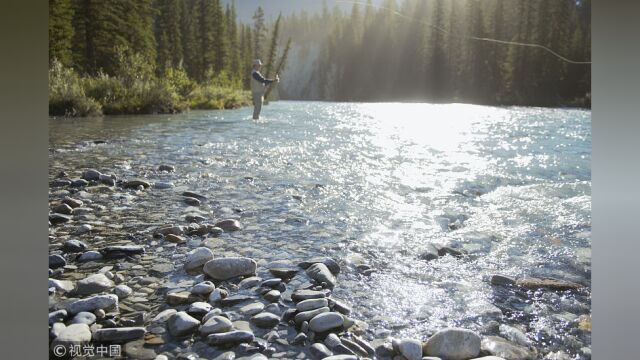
<point>165,291</point>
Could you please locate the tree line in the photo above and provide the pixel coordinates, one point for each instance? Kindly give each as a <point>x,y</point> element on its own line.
<point>420,50</point>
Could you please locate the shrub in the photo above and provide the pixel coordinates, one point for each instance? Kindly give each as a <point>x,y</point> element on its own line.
<point>66,94</point>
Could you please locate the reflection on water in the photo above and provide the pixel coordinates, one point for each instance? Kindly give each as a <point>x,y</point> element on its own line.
<point>375,184</point>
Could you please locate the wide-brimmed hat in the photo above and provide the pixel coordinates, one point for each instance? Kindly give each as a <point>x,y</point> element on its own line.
<point>257,62</point>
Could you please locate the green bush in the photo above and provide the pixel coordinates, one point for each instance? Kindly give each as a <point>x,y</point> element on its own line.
<point>215,97</point>
<point>66,94</point>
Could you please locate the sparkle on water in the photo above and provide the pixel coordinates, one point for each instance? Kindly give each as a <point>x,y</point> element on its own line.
<point>375,184</point>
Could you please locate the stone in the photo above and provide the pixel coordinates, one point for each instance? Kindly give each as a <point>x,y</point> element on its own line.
<point>410,349</point>
<point>121,334</point>
<point>122,291</point>
<point>340,307</point>
<point>161,185</point>
<point>326,321</point>
<point>341,357</point>
<point>61,285</point>
<point>83,229</point>
<point>93,284</point>
<point>514,334</point>
<point>178,298</point>
<point>203,288</point>
<point>485,358</point>
<point>551,284</point>
<point>235,299</point>
<point>134,183</point>
<point>251,309</point>
<point>332,341</point>
<point>272,296</point>
<point>73,203</point>
<point>93,303</point>
<point>56,219</point>
<point>181,324</point>
<point>91,175</point>
<point>137,349</point>
<point>366,346</point>
<point>502,280</point>
<point>265,320</point>
<point>191,201</point>
<point>167,168</point>
<point>79,183</point>
<point>74,334</point>
<point>194,195</point>
<point>56,261</point>
<point>198,257</point>
<point>216,324</point>
<point>56,329</point>
<point>453,344</point>
<point>271,283</point>
<point>319,351</point>
<point>84,317</point>
<point>107,180</point>
<point>321,274</point>
<point>199,309</point>
<point>227,268</point>
<point>57,316</point>
<point>91,255</point>
<point>300,295</point>
<point>230,338</point>
<point>177,239</point>
<point>249,282</point>
<point>308,315</point>
<point>500,347</point>
<point>216,296</point>
<point>311,304</point>
<point>229,225</point>
<point>164,316</point>
<point>122,250</point>
<point>63,209</point>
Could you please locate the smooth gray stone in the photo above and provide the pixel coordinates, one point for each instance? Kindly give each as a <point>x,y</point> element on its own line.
<point>300,295</point>
<point>122,250</point>
<point>252,309</point>
<point>61,285</point>
<point>74,246</point>
<point>232,337</point>
<point>56,261</point>
<point>216,324</point>
<point>332,341</point>
<point>84,317</point>
<point>122,334</point>
<point>321,274</point>
<point>311,304</point>
<point>91,174</point>
<point>203,288</point>
<point>325,322</point>
<point>57,316</point>
<point>122,291</point>
<point>319,351</point>
<point>308,315</point>
<point>229,225</point>
<point>56,329</point>
<point>230,267</point>
<point>500,347</point>
<point>196,258</point>
<point>93,303</point>
<point>272,296</point>
<point>341,357</point>
<point>411,349</point>
<point>75,334</point>
<point>94,284</point>
<point>91,255</point>
<point>453,343</point>
<point>181,324</point>
<point>164,315</point>
<point>265,320</point>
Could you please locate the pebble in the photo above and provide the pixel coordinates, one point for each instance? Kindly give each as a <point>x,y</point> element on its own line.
<point>122,291</point>
<point>326,321</point>
<point>122,250</point>
<point>341,357</point>
<point>167,168</point>
<point>429,253</point>
<point>320,273</point>
<point>308,315</point>
<point>191,201</point>
<point>502,280</point>
<point>319,351</point>
<point>93,303</point>
<point>73,203</point>
<point>232,337</point>
<point>74,334</point>
<point>56,219</point>
<point>56,329</point>
<point>83,229</point>
<point>181,324</point>
<point>57,316</point>
<point>265,320</point>
<point>198,257</point>
<point>230,267</point>
<point>56,261</point>
<point>216,296</point>
<point>121,334</point>
<point>229,225</point>
<point>249,282</point>
<point>164,315</point>
<point>61,285</point>
<point>300,295</point>
<point>163,185</point>
<point>84,318</point>
<point>251,309</point>
<point>551,284</point>
<point>91,175</point>
<point>410,349</point>
<point>216,324</point>
<point>63,209</point>
<point>90,255</point>
<point>272,296</point>
<point>203,288</point>
<point>93,284</point>
<point>107,180</point>
<point>199,309</point>
<point>176,239</point>
<point>135,183</point>
<point>194,195</point>
<point>500,347</point>
<point>311,304</point>
<point>453,344</point>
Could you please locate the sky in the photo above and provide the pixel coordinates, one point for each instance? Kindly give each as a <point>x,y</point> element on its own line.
<point>272,8</point>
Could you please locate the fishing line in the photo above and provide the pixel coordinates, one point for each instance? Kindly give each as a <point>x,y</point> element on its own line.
<point>445,31</point>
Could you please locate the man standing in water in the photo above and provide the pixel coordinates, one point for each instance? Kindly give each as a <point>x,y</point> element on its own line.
<point>258,86</point>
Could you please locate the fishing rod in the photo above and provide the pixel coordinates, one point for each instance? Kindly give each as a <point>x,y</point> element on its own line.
<point>485,39</point>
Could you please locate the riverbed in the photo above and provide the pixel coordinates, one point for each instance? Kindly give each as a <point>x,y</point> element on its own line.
<point>373,186</point>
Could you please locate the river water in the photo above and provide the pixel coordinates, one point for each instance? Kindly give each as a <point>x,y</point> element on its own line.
<point>376,184</point>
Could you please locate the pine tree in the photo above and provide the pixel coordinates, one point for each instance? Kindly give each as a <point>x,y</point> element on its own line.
<point>168,34</point>
<point>258,32</point>
<point>60,31</point>
<point>273,48</point>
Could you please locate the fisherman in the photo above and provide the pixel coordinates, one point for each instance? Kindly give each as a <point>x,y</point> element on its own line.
<point>258,86</point>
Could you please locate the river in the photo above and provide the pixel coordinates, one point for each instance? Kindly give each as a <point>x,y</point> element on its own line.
<point>375,184</point>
